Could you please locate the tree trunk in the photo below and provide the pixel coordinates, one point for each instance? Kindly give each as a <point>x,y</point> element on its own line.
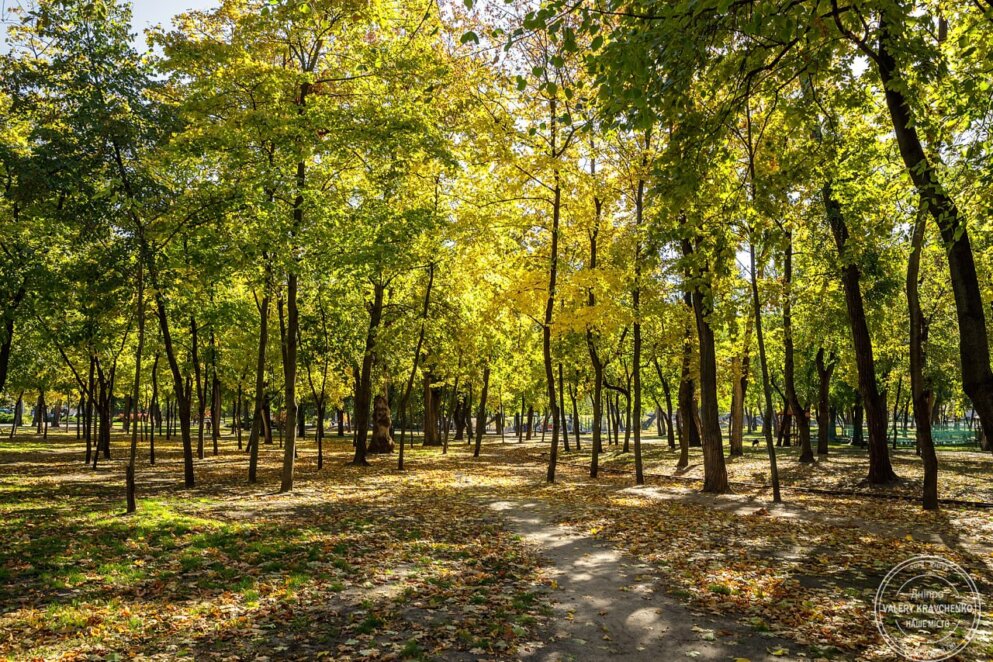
<point>564,425</point>
<point>575,413</point>
<point>974,349</point>
<point>319,433</point>
<point>739,389</point>
<point>798,412</point>
<point>289,336</point>
<point>685,396</point>
<point>201,389</point>
<point>39,412</point>
<point>920,389</point>
<point>364,392</point>
<point>7,337</point>
<point>639,206</point>
<point>546,329</point>
<point>766,382</point>
<point>715,479</point>
<point>381,441</point>
<point>670,432</point>
<point>896,407</point>
<point>154,406</point>
<point>258,423</point>
<point>215,396</point>
<point>857,418</point>
<point>413,369</point>
<point>126,423</point>
<point>880,470</point>
<point>432,402</point>
<point>824,400</point>
<point>135,394</point>
<point>481,412</point>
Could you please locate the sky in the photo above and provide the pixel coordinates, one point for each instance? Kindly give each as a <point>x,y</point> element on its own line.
<point>146,13</point>
<point>151,12</point>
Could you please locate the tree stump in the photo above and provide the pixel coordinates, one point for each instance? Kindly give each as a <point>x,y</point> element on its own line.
<point>381,441</point>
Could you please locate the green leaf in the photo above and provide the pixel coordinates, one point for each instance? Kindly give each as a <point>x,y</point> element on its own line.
<point>469,36</point>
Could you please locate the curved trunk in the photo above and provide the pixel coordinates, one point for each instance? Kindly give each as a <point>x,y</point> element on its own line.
<point>974,349</point>
<point>880,469</point>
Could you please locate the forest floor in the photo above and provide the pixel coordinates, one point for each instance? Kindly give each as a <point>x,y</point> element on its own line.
<point>461,558</point>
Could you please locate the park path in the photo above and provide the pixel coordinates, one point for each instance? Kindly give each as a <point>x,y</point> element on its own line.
<point>608,605</point>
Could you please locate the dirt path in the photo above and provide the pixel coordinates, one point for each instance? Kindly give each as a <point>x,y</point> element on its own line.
<point>608,605</point>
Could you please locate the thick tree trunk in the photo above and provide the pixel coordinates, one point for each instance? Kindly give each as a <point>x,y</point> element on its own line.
<point>381,441</point>
<point>974,349</point>
<point>715,479</point>
<point>7,335</point>
<point>880,469</point>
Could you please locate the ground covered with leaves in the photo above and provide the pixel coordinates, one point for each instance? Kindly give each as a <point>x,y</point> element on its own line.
<point>370,563</point>
<point>355,563</point>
